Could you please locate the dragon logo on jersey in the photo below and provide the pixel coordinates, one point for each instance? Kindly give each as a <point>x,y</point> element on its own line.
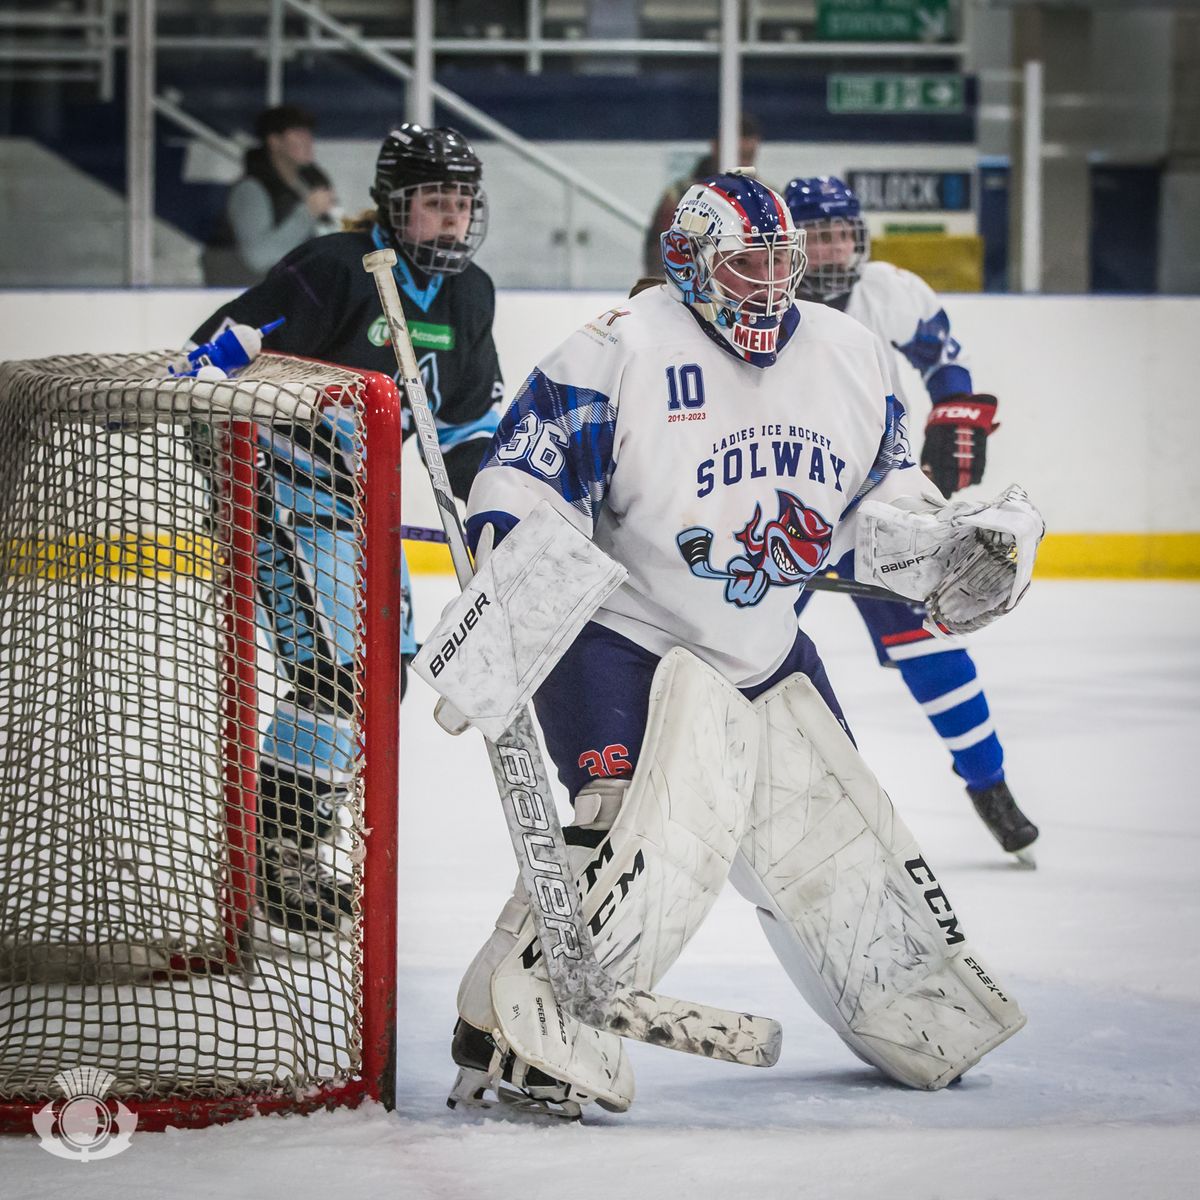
<point>931,345</point>
<point>788,550</point>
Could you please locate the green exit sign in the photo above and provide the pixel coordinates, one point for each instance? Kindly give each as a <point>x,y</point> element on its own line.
<point>883,20</point>
<point>895,94</point>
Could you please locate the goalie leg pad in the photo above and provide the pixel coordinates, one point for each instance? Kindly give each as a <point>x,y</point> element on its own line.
<point>589,1064</point>
<point>662,847</point>
<point>852,909</point>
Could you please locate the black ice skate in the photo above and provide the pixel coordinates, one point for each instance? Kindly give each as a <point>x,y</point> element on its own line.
<point>489,1078</point>
<point>299,892</point>
<point>1015,832</point>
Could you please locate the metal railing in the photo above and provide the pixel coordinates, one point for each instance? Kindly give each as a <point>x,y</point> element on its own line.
<point>88,40</point>
<point>323,33</point>
<point>387,62</point>
<point>167,105</point>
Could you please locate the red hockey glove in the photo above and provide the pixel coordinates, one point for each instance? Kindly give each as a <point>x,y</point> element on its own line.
<point>956,434</point>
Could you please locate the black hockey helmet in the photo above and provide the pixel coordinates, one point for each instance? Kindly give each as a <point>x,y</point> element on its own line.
<point>414,159</point>
<point>412,154</point>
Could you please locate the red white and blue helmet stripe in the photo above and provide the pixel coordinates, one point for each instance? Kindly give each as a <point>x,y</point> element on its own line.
<point>758,206</point>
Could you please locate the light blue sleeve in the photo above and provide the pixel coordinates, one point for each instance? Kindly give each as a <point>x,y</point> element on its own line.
<point>260,242</point>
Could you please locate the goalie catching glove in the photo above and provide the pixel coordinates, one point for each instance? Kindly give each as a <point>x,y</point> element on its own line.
<point>968,562</point>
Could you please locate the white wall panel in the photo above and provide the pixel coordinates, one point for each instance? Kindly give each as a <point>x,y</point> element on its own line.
<point>1098,410</point>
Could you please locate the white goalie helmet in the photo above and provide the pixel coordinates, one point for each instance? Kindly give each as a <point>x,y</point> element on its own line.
<point>736,258</point>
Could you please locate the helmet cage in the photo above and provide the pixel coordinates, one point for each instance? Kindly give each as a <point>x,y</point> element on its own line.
<point>825,281</point>
<point>695,260</point>
<point>758,293</point>
<point>440,255</point>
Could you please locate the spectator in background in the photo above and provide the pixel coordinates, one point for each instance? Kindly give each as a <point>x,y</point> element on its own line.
<point>281,201</point>
<point>664,212</point>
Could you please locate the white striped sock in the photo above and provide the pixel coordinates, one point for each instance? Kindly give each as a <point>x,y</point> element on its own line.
<point>952,698</point>
<point>964,741</point>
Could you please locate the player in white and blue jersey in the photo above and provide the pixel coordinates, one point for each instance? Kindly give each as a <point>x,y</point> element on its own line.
<point>905,313</point>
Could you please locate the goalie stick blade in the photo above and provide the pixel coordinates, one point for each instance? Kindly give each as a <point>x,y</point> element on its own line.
<point>681,1025</point>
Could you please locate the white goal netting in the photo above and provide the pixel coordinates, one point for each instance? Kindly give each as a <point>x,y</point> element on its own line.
<point>184,682</point>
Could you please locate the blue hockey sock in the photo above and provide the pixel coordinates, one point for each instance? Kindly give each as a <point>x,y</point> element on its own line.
<point>949,693</point>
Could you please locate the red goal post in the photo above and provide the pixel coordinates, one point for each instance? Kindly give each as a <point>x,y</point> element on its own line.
<point>138,681</point>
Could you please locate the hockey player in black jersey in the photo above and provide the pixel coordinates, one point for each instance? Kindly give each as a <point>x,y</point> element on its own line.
<point>431,209</point>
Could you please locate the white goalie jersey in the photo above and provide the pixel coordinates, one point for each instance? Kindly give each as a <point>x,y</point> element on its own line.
<point>722,487</point>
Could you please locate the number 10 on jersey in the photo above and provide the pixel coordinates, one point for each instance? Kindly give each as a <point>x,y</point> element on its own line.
<point>685,387</point>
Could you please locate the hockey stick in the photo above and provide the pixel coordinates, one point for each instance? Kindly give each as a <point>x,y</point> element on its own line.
<point>580,983</point>
<point>851,587</point>
<point>422,533</point>
<point>818,583</point>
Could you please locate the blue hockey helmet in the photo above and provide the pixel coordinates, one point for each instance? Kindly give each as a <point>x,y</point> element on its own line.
<point>736,257</point>
<point>837,238</point>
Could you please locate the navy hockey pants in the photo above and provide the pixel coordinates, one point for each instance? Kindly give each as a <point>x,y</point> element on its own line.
<point>593,706</point>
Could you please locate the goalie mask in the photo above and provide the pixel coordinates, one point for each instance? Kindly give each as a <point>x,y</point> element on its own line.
<point>427,189</point>
<point>836,236</point>
<point>736,258</point>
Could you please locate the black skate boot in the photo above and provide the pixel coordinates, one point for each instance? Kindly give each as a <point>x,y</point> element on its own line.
<point>298,892</point>
<point>516,1087</point>
<point>996,807</point>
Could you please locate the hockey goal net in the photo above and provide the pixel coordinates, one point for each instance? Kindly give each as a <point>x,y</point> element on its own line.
<point>177,596</point>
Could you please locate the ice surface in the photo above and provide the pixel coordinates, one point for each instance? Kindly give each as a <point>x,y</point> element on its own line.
<point>1096,693</point>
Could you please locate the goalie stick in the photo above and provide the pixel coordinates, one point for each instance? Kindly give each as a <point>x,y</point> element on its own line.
<point>580,983</point>
<point>851,587</point>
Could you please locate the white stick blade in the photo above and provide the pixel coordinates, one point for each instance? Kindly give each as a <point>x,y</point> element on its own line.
<point>692,1028</point>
